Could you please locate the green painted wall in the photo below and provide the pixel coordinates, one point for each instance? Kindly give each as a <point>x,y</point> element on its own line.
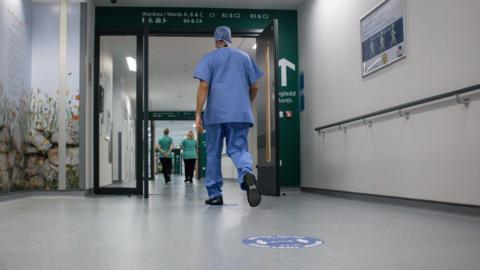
<point>202,155</point>
<point>202,20</point>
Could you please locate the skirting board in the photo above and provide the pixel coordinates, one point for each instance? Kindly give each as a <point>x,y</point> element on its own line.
<point>24,194</point>
<point>471,210</point>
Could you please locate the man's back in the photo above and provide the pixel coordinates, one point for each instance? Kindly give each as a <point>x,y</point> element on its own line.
<point>228,82</point>
<point>229,73</point>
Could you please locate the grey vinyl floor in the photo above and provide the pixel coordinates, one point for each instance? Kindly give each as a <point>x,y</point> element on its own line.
<point>173,229</point>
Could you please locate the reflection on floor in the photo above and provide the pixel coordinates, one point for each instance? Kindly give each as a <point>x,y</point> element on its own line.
<point>121,184</point>
<point>178,186</point>
<point>175,230</point>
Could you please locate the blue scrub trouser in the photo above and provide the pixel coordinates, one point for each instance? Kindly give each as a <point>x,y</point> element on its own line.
<point>236,136</point>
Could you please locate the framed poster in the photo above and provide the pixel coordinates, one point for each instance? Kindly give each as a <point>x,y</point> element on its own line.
<point>383,36</point>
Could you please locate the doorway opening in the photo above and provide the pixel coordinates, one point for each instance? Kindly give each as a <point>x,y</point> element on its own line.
<point>117,114</point>
<point>134,67</point>
<point>172,97</point>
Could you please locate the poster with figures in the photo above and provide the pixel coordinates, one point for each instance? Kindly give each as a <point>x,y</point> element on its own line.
<point>383,36</point>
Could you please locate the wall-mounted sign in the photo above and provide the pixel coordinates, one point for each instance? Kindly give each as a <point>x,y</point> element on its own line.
<point>302,91</point>
<point>284,64</point>
<point>383,36</point>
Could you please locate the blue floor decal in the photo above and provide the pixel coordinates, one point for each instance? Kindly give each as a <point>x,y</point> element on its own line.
<point>282,241</point>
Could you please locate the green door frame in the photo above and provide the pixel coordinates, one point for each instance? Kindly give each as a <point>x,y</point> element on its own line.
<point>243,22</point>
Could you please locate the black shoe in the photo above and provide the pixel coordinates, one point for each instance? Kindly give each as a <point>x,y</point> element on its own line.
<point>250,186</point>
<point>215,201</point>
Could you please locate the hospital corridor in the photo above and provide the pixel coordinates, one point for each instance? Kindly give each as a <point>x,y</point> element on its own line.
<point>268,134</point>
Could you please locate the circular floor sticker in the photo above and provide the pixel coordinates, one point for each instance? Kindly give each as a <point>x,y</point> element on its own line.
<point>282,241</point>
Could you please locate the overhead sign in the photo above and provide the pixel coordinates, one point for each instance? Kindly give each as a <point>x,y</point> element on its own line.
<point>383,36</point>
<point>282,241</point>
<point>171,18</point>
<point>157,116</point>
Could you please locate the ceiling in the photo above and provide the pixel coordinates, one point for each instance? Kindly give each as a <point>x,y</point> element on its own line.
<point>250,4</point>
<point>172,61</point>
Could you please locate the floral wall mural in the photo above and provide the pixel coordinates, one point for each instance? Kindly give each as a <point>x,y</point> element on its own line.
<point>29,142</point>
<point>29,111</point>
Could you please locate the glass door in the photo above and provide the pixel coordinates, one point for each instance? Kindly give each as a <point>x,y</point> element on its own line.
<point>267,117</point>
<point>118,114</point>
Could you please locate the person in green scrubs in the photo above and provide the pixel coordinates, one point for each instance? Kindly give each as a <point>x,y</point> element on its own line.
<point>189,146</point>
<point>165,144</point>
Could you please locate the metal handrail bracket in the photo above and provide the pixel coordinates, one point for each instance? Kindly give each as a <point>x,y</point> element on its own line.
<point>399,108</point>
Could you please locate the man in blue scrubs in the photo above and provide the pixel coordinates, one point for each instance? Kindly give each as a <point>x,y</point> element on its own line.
<point>228,79</point>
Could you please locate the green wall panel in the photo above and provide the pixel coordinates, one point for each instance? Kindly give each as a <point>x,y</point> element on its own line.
<point>203,21</point>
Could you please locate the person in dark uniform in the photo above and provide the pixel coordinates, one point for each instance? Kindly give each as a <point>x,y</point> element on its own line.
<point>189,146</point>
<point>165,144</point>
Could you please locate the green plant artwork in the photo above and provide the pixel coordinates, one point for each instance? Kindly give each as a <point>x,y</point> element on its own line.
<point>29,141</point>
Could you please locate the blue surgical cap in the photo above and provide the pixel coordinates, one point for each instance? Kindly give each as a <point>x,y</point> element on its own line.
<point>223,33</point>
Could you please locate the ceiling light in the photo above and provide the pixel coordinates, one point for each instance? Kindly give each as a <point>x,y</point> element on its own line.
<point>254,47</point>
<point>132,64</point>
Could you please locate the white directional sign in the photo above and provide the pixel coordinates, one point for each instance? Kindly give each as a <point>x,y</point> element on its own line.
<point>283,64</point>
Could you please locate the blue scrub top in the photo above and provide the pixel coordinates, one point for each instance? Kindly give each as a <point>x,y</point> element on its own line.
<point>229,73</point>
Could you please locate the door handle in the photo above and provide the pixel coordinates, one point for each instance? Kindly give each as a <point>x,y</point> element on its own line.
<point>268,101</point>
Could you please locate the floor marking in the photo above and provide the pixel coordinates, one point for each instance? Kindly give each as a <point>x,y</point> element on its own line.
<point>282,241</point>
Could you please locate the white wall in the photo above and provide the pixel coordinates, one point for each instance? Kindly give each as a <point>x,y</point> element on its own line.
<point>15,44</point>
<point>228,168</point>
<point>123,109</point>
<point>432,156</point>
<point>104,139</point>
<point>45,37</point>
<point>45,46</point>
